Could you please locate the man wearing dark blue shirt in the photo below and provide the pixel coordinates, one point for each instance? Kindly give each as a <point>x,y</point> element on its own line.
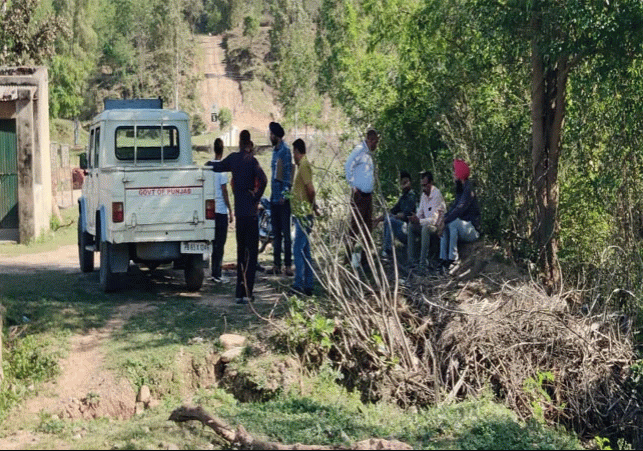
<point>248,184</point>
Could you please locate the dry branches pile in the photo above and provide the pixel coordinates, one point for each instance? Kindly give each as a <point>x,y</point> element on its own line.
<point>440,340</point>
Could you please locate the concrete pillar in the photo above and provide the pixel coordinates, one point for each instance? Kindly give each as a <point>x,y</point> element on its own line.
<point>25,141</point>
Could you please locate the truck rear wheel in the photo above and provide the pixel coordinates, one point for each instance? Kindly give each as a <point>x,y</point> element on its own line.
<point>194,274</point>
<point>109,280</point>
<point>85,257</point>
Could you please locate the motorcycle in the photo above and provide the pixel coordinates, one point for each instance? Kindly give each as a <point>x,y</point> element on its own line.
<point>266,235</point>
<point>265,224</point>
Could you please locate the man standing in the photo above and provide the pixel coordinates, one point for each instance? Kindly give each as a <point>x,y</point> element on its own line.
<point>248,184</point>
<point>303,194</point>
<point>280,184</point>
<point>221,209</point>
<point>360,174</point>
<point>398,215</point>
<point>428,221</point>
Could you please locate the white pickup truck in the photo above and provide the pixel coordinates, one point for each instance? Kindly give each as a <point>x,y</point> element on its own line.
<point>143,198</point>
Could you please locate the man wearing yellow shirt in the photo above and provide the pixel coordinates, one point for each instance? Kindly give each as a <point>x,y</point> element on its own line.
<point>303,195</point>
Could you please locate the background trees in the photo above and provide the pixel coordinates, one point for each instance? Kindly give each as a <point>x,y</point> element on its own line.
<point>511,87</point>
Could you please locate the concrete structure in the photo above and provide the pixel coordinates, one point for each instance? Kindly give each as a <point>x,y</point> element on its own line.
<point>25,164</point>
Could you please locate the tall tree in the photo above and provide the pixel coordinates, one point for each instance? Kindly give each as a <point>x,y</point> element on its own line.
<point>562,34</point>
<point>27,34</point>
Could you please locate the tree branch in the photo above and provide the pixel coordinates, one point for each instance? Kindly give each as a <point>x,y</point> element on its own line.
<point>241,438</point>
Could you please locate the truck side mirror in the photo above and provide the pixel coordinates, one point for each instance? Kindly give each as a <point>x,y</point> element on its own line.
<point>83,161</point>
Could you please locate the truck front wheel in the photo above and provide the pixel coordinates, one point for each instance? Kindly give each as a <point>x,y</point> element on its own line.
<point>194,274</point>
<point>85,257</point>
<point>109,280</point>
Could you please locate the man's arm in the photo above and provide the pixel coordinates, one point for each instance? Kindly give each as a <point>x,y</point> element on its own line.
<point>310,192</point>
<point>350,163</point>
<point>286,157</point>
<point>462,204</point>
<point>220,166</point>
<point>410,206</point>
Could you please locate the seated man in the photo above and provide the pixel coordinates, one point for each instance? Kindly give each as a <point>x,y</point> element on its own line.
<point>398,215</point>
<point>462,221</point>
<point>428,221</point>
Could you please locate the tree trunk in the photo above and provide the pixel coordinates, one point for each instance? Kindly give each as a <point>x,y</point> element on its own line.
<point>549,82</point>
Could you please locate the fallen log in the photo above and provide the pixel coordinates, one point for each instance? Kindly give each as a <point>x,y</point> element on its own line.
<point>242,439</point>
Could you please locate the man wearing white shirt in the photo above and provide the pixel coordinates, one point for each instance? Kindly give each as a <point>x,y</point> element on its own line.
<point>428,221</point>
<point>223,214</point>
<point>360,174</point>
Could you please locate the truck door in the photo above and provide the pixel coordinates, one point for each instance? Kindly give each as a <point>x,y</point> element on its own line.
<point>91,182</point>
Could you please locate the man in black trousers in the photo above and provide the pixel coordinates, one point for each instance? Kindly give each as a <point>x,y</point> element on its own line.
<point>223,214</point>
<point>248,184</point>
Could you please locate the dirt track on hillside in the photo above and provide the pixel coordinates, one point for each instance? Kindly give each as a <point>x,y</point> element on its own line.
<point>221,88</point>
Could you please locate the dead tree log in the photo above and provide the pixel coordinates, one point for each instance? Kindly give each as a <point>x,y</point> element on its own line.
<point>242,439</point>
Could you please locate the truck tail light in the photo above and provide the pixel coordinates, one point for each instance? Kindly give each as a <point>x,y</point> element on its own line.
<point>117,212</point>
<point>209,209</point>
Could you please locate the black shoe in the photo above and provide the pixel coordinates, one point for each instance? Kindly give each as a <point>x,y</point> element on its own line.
<point>241,301</point>
<point>275,270</point>
<point>308,292</point>
<point>293,291</point>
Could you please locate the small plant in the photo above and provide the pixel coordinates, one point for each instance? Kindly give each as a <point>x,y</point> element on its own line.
<point>602,443</point>
<point>541,399</point>
<point>92,399</point>
<point>30,360</point>
<point>308,334</point>
<point>50,424</point>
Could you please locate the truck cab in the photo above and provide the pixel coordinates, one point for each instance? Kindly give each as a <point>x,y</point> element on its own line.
<point>143,199</point>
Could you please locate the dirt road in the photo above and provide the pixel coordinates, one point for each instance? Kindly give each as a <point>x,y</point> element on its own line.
<point>220,88</point>
<point>84,372</point>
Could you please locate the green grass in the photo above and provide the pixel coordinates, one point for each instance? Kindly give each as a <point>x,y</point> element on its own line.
<point>328,415</point>
<point>64,233</point>
<point>62,131</point>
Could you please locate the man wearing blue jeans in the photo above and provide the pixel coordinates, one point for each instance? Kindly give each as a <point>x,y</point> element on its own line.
<point>462,221</point>
<point>398,215</point>
<point>280,208</point>
<point>303,194</point>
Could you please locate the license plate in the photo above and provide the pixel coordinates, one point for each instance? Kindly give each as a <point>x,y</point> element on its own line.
<point>195,247</point>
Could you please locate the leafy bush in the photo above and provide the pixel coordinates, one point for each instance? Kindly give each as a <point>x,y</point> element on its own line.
<point>26,361</point>
<point>308,334</point>
<point>31,360</point>
<point>225,117</point>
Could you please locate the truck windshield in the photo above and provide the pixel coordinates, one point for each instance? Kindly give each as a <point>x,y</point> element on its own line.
<point>148,141</point>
